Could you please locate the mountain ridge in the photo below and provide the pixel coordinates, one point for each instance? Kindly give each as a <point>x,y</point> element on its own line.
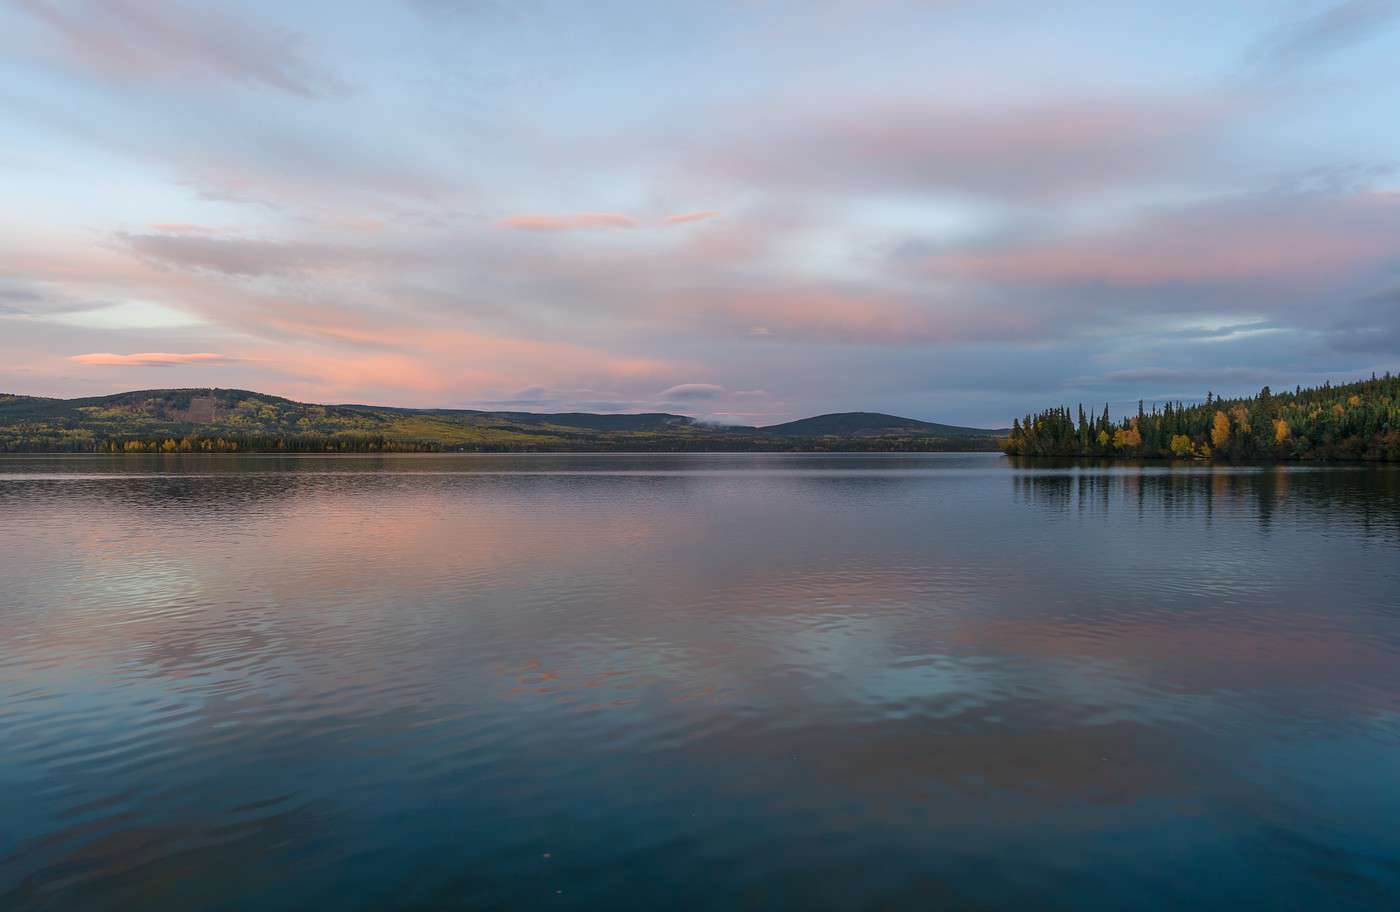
<point>204,418</point>
<point>858,423</point>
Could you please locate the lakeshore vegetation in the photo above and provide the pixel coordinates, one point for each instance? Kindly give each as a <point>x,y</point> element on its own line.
<point>237,421</point>
<point>1353,421</point>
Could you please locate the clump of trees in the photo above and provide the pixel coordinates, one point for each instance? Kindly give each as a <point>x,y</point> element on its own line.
<point>1354,421</point>
<point>263,444</point>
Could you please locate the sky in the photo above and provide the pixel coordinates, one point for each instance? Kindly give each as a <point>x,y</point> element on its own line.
<point>742,210</point>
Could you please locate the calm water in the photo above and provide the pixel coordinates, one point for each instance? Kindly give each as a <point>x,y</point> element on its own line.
<point>674,682</point>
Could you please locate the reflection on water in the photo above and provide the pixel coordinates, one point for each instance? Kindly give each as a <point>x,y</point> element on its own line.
<point>696,681</point>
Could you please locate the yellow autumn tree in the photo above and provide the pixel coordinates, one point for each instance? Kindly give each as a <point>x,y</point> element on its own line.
<point>1281,431</point>
<point>1127,437</point>
<point>1220,430</point>
<point>1181,445</point>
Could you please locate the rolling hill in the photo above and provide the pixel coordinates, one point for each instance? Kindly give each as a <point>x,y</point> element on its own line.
<point>867,424</point>
<point>179,420</point>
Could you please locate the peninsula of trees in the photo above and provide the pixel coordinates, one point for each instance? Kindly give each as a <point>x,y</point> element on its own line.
<point>1354,421</point>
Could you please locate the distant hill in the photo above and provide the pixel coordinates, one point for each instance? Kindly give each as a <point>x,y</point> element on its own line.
<point>223,420</point>
<point>858,424</point>
<point>646,421</point>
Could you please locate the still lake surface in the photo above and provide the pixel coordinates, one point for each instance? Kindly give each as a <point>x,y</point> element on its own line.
<point>696,681</point>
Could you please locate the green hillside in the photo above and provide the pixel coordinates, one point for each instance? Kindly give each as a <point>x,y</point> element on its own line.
<point>220,420</point>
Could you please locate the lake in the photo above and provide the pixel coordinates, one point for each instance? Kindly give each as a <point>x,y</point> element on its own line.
<point>943,681</point>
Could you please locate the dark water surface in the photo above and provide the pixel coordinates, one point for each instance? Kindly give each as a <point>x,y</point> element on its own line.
<point>675,682</point>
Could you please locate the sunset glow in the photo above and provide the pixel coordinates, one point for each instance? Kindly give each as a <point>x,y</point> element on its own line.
<point>838,205</point>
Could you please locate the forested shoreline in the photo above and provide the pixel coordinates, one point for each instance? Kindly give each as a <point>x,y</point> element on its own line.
<point>609,443</point>
<point>1352,422</point>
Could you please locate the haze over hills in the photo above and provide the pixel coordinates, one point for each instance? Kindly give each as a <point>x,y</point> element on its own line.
<point>861,424</point>
<point>242,420</point>
<point>640,421</point>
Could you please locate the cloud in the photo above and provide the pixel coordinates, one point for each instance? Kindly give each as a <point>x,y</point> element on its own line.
<point>916,146</point>
<point>1326,32</point>
<point>685,392</point>
<point>295,172</point>
<point>151,359</point>
<point>176,41</point>
<point>1263,238</point>
<point>1195,378</point>
<point>184,228</point>
<point>566,399</point>
<point>570,222</point>
<point>683,217</point>
<point>435,240</point>
<point>842,314</point>
<point>235,256</point>
<point>591,220</point>
<point>20,300</point>
<point>1370,326</point>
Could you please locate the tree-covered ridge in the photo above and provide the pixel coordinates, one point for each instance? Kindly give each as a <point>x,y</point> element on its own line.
<point>1354,421</point>
<point>218,420</point>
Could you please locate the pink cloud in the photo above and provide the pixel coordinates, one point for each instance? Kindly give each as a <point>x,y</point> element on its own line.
<point>181,42</point>
<point>569,222</point>
<point>183,228</point>
<point>589,220</point>
<point>151,359</point>
<point>683,217</point>
<point>343,357</point>
<point>849,316</point>
<point>1232,241</point>
<point>684,391</point>
<point>247,257</point>
<point>902,146</point>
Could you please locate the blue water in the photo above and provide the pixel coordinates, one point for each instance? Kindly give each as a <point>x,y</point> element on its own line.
<point>696,682</point>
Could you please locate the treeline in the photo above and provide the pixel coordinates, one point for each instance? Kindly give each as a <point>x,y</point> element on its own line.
<point>1354,421</point>
<point>221,444</point>
<point>621,442</point>
<point>748,443</point>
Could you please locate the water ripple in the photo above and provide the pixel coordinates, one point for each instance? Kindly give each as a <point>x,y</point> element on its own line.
<point>719,681</point>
